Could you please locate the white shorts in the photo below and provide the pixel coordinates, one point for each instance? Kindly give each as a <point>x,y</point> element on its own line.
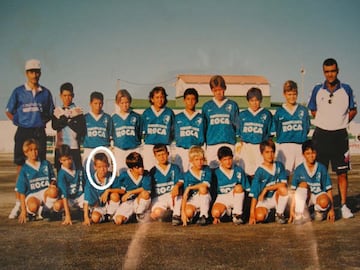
<point>77,202</point>
<point>127,209</point>
<point>289,154</point>
<point>211,154</point>
<point>313,198</point>
<point>120,158</point>
<point>165,202</point>
<point>268,203</point>
<point>227,200</point>
<point>250,157</point>
<point>40,195</point>
<point>196,200</point>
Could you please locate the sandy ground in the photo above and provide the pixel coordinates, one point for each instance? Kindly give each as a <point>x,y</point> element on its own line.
<point>45,244</point>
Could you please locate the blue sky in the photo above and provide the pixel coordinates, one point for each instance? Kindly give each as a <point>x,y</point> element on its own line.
<point>145,43</point>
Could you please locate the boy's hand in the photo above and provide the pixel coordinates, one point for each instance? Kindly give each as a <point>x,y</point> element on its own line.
<point>252,220</point>
<point>174,193</point>
<point>86,222</point>
<point>67,221</point>
<point>22,217</point>
<point>331,216</point>
<point>184,218</point>
<point>104,196</point>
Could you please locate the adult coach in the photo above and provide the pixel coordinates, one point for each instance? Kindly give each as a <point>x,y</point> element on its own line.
<point>30,107</point>
<point>333,106</point>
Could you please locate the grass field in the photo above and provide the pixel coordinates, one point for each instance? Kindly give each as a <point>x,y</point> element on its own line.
<point>44,244</point>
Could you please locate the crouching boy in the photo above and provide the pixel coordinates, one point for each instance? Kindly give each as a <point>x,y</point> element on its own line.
<point>36,184</point>
<point>312,186</point>
<point>136,187</point>
<point>197,181</point>
<point>231,185</point>
<point>71,183</point>
<point>269,187</point>
<point>99,207</point>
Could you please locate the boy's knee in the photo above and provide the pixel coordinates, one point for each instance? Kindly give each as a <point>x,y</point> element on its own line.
<point>282,191</point>
<point>96,217</point>
<point>238,189</point>
<point>260,214</point>
<point>58,206</point>
<point>203,190</point>
<point>51,192</point>
<point>115,197</point>
<point>33,204</point>
<point>303,185</point>
<point>190,211</point>
<point>157,213</point>
<point>144,195</point>
<point>323,201</point>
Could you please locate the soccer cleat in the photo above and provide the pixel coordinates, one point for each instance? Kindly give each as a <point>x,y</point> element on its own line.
<point>176,220</point>
<point>238,219</point>
<point>318,216</point>
<point>32,217</point>
<point>15,212</point>
<point>202,221</point>
<point>280,218</point>
<point>346,212</point>
<point>140,218</point>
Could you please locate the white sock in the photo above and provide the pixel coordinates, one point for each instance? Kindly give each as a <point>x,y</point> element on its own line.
<point>300,199</point>
<point>142,206</point>
<point>204,205</point>
<point>238,203</point>
<point>281,204</point>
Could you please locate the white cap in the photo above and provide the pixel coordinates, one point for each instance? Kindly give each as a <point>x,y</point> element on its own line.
<point>32,64</point>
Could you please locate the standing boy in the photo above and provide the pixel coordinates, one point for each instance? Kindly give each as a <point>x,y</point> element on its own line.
<point>189,129</point>
<point>98,125</point>
<point>231,186</point>
<point>69,122</point>
<point>291,125</point>
<point>126,129</point>
<point>167,181</point>
<point>158,124</point>
<point>35,184</point>
<point>312,184</point>
<point>254,128</point>
<point>30,107</point>
<point>221,120</point>
<point>333,106</point>
<point>269,187</point>
<point>197,182</point>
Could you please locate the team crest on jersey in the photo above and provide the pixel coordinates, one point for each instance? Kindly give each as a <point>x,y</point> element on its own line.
<point>198,121</point>
<point>133,120</point>
<point>45,170</point>
<point>263,117</point>
<point>301,114</point>
<point>228,108</point>
<point>105,121</point>
<point>166,119</point>
<point>238,175</point>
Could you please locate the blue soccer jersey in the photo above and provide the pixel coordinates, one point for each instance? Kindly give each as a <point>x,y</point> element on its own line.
<point>220,121</point>
<point>190,179</point>
<point>226,182</point>
<point>291,126</point>
<point>127,182</point>
<point>318,180</point>
<point>30,111</point>
<point>33,179</point>
<point>98,130</point>
<point>255,127</point>
<point>163,181</point>
<point>71,183</point>
<point>158,127</point>
<point>189,130</point>
<point>92,195</point>
<point>126,130</point>
<point>263,178</point>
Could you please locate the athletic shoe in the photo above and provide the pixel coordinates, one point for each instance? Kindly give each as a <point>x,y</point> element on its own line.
<point>280,218</point>
<point>140,217</point>
<point>318,216</point>
<point>346,212</point>
<point>176,220</point>
<point>202,221</point>
<point>15,211</point>
<point>32,217</point>
<point>238,219</point>
<point>299,219</point>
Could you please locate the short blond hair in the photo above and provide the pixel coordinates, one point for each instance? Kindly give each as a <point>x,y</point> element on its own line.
<point>27,144</point>
<point>196,151</point>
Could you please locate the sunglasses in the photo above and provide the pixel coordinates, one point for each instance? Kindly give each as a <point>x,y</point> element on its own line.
<point>330,98</point>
